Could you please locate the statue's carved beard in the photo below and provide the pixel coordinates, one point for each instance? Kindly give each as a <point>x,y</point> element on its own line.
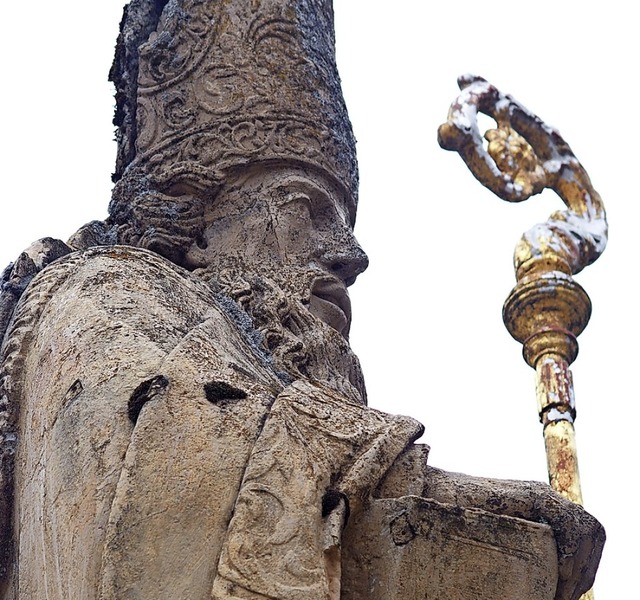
<point>300,344</point>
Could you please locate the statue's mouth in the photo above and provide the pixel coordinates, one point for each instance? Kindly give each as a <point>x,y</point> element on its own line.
<point>330,303</point>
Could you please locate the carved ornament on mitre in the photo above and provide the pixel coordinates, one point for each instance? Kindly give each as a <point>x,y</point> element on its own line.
<point>226,83</point>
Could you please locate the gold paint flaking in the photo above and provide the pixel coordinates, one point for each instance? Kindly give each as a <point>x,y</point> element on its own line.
<point>547,309</point>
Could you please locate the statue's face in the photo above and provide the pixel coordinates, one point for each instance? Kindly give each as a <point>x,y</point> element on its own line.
<point>293,225</point>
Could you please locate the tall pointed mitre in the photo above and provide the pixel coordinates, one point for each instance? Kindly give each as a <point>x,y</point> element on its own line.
<point>208,85</point>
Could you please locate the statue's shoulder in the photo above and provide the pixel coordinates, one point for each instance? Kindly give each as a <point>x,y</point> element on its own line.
<point>112,301</point>
<point>124,284</point>
<point>15,278</point>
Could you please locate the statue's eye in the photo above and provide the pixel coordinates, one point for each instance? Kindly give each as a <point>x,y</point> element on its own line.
<point>310,205</point>
<point>297,198</point>
<point>180,189</point>
<point>297,204</point>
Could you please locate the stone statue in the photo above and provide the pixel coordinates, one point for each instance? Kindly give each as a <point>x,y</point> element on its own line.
<point>181,413</point>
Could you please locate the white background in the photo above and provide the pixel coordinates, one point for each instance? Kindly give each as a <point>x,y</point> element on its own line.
<point>427,314</point>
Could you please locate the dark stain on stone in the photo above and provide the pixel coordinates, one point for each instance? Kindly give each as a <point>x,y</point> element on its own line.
<point>222,394</point>
<point>402,531</point>
<point>74,391</point>
<point>145,392</point>
<point>330,501</point>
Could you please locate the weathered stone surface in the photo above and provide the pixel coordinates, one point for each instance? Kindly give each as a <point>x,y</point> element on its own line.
<point>141,409</point>
<point>579,536</point>
<point>412,547</point>
<point>112,320</point>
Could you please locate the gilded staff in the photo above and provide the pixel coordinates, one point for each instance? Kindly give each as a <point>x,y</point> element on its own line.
<point>547,309</point>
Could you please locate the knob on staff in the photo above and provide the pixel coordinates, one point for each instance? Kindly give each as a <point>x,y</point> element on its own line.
<point>547,309</point>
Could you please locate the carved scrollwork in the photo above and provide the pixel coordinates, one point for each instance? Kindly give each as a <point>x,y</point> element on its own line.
<point>275,43</point>
<point>177,110</point>
<point>223,84</point>
<point>236,141</point>
<point>177,46</point>
<point>163,58</point>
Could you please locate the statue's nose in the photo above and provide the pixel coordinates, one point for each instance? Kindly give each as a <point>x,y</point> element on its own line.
<point>347,261</point>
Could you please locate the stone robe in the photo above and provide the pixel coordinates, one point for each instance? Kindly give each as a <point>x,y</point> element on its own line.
<point>147,416</point>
